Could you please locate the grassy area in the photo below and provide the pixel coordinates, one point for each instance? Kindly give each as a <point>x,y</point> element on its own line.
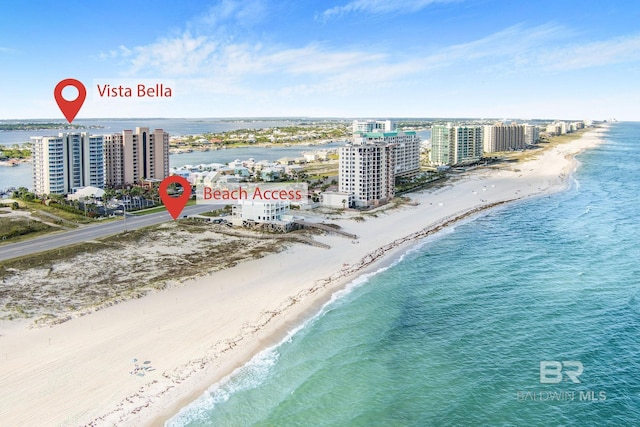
<point>69,216</point>
<point>54,286</point>
<point>321,169</point>
<point>66,253</point>
<point>45,259</point>
<point>419,184</point>
<point>157,209</point>
<point>152,210</point>
<point>217,212</point>
<point>16,229</point>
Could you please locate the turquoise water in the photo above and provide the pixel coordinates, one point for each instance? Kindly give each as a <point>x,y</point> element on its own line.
<point>454,332</point>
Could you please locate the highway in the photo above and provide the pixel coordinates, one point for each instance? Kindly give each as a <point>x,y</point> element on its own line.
<point>93,231</point>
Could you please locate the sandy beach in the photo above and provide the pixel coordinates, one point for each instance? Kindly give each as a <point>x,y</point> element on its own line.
<point>140,361</point>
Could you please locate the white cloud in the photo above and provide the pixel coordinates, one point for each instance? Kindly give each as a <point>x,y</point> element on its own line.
<point>121,51</point>
<point>379,7</point>
<point>215,62</point>
<point>313,59</point>
<point>314,68</point>
<point>594,54</point>
<point>504,47</point>
<point>190,55</point>
<point>217,19</point>
<point>542,48</point>
<point>182,55</point>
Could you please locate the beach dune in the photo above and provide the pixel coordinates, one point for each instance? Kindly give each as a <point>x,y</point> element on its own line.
<point>91,370</point>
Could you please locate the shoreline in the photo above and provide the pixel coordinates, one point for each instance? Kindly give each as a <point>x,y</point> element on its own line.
<point>226,318</point>
<point>383,258</point>
<point>373,263</point>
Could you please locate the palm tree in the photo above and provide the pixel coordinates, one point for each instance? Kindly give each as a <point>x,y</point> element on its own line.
<point>108,195</point>
<point>135,194</point>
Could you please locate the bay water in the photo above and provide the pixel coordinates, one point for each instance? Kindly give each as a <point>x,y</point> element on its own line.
<point>21,175</point>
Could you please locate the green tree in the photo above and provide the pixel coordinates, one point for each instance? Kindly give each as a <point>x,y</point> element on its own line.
<point>108,195</point>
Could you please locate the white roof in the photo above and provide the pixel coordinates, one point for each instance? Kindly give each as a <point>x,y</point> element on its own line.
<point>90,192</point>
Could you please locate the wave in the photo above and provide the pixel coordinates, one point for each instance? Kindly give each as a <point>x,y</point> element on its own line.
<point>257,370</point>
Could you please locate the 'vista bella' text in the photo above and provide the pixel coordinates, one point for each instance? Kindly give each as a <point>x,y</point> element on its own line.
<point>158,90</point>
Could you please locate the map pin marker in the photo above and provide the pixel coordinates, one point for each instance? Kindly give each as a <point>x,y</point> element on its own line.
<point>70,108</point>
<point>175,204</point>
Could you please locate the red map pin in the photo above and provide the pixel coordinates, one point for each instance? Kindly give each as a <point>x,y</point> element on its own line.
<point>70,108</point>
<point>175,204</point>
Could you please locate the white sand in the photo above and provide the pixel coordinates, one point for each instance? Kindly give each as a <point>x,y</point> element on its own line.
<point>78,372</point>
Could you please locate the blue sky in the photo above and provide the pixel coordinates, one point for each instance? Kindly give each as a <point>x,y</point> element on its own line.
<point>344,58</point>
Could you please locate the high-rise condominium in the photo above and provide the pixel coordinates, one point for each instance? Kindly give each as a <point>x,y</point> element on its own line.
<point>131,156</point>
<point>500,137</point>
<point>456,145</point>
<point>368,172</point>
<point>68,161</point>
<point>377,154</point>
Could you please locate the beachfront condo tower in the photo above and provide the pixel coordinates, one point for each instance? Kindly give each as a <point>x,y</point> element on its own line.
<point>377,154</point>
<point>131,156</point>
<point>367,170</point>
<point>67,162</point>
<point>456,145</point>
<point>407,144</point>
<point>500,137</point>
<point>531,134</point>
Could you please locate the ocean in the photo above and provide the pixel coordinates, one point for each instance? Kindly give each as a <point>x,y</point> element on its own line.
<point>527,315</point>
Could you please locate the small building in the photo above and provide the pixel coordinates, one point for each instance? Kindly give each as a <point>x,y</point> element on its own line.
<point>294,169</point>
<point>310,157</point>
<point>86,193</point>
<point>270,174</point>
<point>210,177</point>
<point>286,161</point>
<point>229,179</point>
<point>181,173</point>
<point>241,171</point>
<point>271,216</point>
<point>235,163</point>
<point>259,211</point>
<point>337,199</point>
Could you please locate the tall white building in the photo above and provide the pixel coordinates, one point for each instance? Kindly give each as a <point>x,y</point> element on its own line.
<point>377,155</point>
<point>531,134</point>
<point>368,172</point>
<point>455,145</point>
<point>67,162</point>
<point>373,126</point>
<point>500,137</point>
<point>557,128</point>
<point>406,146</point>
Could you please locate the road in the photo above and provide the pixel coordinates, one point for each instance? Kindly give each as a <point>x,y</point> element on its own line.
<point>90,232</point>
